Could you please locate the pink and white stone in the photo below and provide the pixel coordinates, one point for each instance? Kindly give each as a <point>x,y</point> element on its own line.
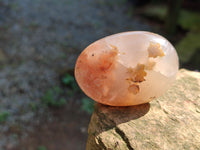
<point>128,68</point>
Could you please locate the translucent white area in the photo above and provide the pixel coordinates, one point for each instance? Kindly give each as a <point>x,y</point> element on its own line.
<point>135,44</point>
<point>132,51</point>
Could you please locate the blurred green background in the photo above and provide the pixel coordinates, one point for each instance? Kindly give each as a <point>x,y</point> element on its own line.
<point>41,105</point>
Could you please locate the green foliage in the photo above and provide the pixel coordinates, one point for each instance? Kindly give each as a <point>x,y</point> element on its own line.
<point>189,20</point>
<point>14,6</point>
<point>111,3</point>
<point>87,105</point>
<point>33,106</point>
<point>121,2</point>
<point>4,116</point>
<point>41,148</point>
<point>157,12</point>
<point>188,46</point>
<point>33,25</point>
<point>53,97</point>
<point>15,136</point>
<point>130,11</point>
<point>69,81</point>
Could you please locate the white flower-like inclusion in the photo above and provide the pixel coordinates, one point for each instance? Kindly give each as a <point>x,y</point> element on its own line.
<point>128,68</point>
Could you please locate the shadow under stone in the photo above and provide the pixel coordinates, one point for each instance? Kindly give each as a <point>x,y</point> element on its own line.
<point>119,115</point>
<point>107,118</point>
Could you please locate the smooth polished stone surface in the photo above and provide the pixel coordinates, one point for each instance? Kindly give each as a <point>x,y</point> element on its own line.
<point>128,68</point>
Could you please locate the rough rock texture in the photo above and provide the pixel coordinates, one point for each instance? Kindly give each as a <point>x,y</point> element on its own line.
<point>169,122</point>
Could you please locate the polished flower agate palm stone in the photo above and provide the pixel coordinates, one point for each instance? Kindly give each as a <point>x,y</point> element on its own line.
<point>127,68</point>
